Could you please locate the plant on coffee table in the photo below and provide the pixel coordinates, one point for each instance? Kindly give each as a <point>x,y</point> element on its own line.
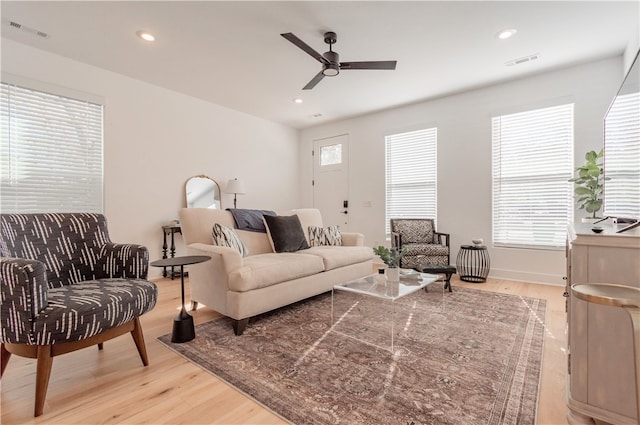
<point>390,256</point>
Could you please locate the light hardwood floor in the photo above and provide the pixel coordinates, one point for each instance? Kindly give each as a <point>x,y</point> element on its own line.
<point>112,386</point>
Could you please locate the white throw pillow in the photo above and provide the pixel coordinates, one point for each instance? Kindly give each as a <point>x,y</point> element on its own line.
<point>225,236</point>
<point>323,236</point>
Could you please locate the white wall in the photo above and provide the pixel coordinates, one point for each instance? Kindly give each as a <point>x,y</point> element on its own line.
<point>464,157</point>
<point>155,139</point>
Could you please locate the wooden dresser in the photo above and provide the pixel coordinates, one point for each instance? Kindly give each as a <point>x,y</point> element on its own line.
<point>601,380</point>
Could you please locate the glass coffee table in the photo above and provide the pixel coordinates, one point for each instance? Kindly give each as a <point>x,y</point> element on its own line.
<point>365,309</point>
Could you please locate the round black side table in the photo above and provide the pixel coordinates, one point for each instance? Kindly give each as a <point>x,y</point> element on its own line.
<point>183,328</point>
<point>473,263</point>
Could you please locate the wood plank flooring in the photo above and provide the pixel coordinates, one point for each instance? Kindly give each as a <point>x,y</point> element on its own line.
<point>112,387</point>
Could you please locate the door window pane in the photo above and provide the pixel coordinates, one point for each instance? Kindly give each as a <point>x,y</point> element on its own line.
<point>331,154</point>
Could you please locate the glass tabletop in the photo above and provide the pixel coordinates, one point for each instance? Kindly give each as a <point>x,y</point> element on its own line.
<point>409,283</point>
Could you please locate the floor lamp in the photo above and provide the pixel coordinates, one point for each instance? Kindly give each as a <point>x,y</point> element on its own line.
<point>236,187</point>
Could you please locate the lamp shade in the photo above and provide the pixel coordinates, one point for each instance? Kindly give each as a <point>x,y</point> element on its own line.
<point>235,186</point>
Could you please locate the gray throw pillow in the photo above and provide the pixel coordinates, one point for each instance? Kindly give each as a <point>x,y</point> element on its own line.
<point>286,233</point>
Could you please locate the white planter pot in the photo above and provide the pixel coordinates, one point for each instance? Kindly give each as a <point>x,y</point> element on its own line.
<point>393,274</point>
<point>590,219</point>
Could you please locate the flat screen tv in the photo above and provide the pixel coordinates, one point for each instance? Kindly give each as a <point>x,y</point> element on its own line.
<point>622,150</point>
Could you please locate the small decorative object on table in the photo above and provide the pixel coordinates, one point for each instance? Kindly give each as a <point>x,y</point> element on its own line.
<point>391,257</point>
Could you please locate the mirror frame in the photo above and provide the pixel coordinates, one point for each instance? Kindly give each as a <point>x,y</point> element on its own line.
<point>217,194</point>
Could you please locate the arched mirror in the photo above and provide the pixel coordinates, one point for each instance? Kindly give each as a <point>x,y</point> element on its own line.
<point>202,192</point>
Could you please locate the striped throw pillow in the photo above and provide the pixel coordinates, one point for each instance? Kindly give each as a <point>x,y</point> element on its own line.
<point>323,236</point>
<point>225,236</point>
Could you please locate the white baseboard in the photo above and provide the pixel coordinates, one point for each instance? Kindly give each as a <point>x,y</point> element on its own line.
<point>543,278</point>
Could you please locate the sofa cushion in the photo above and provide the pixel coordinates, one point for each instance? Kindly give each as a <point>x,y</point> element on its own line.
<point>286,233</point>
<point>308,217</point>
<point>264,270</point>
<point>325,236</point>
<point>225,236</point>
<point>334,257</point>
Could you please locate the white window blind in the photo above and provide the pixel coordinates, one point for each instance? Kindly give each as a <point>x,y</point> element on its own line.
<point>622,157</point>
<point>411,175</point>
<point>532,163</point>
<point>50,153</point>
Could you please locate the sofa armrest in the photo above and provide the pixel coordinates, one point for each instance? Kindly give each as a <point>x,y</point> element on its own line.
<point>127,261</point>
<point>230,258</point>
<point>23,294</point>
<point>209,281</point>
<point>352,239</point>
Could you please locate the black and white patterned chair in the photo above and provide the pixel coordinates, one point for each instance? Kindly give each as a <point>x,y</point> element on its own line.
<point>66,286</point>
<point>425,246</point>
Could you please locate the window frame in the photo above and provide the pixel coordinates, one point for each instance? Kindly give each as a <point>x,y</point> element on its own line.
<point>509,173</point>
<point>58,117</point>
<point>429,184</point>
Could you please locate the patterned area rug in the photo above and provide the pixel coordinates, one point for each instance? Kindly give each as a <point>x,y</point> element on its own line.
<point>467,357</point>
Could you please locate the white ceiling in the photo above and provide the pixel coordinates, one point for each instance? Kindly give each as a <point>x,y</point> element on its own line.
<point>231,53</point>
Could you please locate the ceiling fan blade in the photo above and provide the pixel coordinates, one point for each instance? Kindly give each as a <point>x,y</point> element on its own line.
<point>368,65</point>
<point>315,80</point>
<point>304,46</point>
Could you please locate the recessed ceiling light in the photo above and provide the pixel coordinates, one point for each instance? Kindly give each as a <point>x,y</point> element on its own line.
<point>297,100</point>
<point>145,35</point>
<point>504,34</point>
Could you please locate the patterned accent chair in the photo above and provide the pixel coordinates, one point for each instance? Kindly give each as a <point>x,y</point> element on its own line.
<point>65,286</point>
<point>419,237</point>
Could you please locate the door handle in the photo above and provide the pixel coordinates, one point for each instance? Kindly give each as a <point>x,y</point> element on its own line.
<point>345,212</point>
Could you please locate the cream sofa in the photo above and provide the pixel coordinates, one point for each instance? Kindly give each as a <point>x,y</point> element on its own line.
<point>264,280</point>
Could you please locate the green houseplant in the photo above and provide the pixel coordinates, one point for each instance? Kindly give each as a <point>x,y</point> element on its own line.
<point>590,183</point>
<point>390,256</point>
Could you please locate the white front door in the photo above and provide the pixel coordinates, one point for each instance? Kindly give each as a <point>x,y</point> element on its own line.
<point>331,180</point>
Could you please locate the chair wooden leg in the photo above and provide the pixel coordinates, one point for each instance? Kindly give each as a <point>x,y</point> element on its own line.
<point>138,338</point>
<point>5,358</point>
<point>43,372</point>
<point>194,305</point>
<point>100,345</point>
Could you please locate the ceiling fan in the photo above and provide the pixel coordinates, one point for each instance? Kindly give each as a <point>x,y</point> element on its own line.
<point>331,65</point>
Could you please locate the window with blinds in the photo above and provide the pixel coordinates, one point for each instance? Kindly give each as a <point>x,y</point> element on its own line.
<point>411,175</point>
<point>622,157</point>
<point>50,152</point>
<point>532,163</point>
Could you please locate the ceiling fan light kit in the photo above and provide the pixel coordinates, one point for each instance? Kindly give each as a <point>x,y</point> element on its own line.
<point>331,65</point>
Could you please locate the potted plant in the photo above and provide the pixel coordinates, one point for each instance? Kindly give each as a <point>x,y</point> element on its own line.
<point>590,183</point>
<point>391,257</point>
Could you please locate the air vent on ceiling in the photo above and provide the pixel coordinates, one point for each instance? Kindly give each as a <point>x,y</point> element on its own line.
<point>522,60</point>
<point>27,29</point>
